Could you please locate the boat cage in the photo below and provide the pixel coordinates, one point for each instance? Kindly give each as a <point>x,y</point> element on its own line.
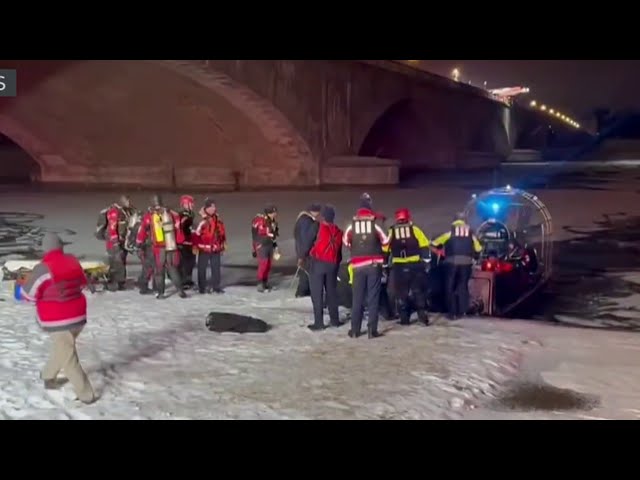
<point>507,214</point>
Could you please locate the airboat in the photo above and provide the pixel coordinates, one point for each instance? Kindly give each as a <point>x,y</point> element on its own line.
<point>516,262</point>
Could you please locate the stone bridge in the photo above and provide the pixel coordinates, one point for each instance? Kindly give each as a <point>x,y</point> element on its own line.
<point>251,123</point>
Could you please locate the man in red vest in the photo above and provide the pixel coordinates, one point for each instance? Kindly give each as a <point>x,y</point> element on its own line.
<point>55,285</point>
<point>118,216</point>
<point>165,240</point>
<point>211,240</point>
<point>187,256</point>
<point>265,233</point>
<point>326,256</point>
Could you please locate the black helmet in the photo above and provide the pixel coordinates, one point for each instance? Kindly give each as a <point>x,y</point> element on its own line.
<point>366,201</point>
<point>124,201</point>
<point>156,201</point>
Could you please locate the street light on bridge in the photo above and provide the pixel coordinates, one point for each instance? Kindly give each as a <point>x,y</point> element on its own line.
<point>455,74</point>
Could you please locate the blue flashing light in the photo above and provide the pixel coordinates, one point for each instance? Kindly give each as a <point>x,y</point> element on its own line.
<point>495,207</point>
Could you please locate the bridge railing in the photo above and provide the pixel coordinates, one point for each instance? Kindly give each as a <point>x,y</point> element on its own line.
<point>400,66</point>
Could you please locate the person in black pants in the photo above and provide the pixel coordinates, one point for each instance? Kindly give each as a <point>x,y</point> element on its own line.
<point>211,240</point>
<point>459,246</point>
<point>187,257</point>
<point>325,257</point>
<point>366,240</point>
<point>304,234</point>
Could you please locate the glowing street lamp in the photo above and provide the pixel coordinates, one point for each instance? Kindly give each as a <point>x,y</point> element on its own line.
<point>533,103</point>
<point>543,108</point>
<point>455,74</point>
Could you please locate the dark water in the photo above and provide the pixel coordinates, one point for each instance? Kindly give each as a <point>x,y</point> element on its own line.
<point>20,235</point>
<point>523,176</point>
<point>585,284</point>
<point>540,396</point>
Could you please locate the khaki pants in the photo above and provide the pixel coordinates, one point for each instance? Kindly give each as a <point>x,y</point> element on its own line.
<point>65,357</point>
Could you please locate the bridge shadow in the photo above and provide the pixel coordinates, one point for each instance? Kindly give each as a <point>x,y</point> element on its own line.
<point>411,133</point>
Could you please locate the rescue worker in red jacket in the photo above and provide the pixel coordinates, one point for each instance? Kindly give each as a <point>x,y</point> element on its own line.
<point>147,261</point>
<point>366,240</point>
<point>187,256</point>
<point>211,240</point>
<point>326,256</point>
<point>55,285</point>
<point>265,232</point>
<point>162,225</point>
<point>117,222</point>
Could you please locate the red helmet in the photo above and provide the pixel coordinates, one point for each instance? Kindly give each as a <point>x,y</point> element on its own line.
<point>403,215</point>
<point>186,201</point>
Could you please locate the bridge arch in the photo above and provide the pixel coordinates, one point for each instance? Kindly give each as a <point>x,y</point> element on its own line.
<point>152,123</point>
<point>35,147</point>
<point>412,131</point>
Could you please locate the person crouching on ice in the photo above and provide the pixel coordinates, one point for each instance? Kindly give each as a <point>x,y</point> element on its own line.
<point>55,285</point>
<point>211,240</point>
<point>163,226</point>
<point>326,256</point>
<point>264,230</point>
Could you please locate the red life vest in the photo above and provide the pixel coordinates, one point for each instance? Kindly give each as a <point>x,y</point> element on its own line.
<point>328,244</point>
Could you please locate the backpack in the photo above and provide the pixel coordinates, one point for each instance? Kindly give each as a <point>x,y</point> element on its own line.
<point>101,225</point>
<point>328,245</point>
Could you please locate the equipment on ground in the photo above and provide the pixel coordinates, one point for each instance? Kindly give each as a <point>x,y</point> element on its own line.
<point>18,271</point>
<point>221,322</point>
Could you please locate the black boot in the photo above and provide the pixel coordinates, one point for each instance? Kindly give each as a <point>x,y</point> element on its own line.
<point>423,317</point>
<point>145,291</point>
<point>373,333</point>
<point>353,334</point>
<point>315,328</point>
<point>336,323</point>
<point>182,294</point>
<point>405,316</point>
